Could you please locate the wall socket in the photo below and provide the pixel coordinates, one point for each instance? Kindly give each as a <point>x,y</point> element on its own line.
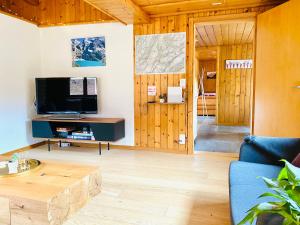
<point>182,139</point>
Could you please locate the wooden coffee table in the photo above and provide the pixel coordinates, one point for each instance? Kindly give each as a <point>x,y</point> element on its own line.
<point>47,195</point>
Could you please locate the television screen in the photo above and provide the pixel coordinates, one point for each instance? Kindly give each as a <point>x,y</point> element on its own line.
<point>66,95</point>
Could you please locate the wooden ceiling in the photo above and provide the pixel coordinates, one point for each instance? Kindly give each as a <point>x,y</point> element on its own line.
<point>54,12</point>
<point>139,11</point>
<point>125,11</point>
<point>218,34</point>
<point>166,7</point>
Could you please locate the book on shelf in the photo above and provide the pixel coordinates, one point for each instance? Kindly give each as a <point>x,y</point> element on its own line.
<point>78,137</point>
<point>84,134</point>
<point>64,129</point>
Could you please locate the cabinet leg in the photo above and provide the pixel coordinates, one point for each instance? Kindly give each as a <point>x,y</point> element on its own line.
<point>100,151</point>
<point>108,147</point>
<point>49,147</point>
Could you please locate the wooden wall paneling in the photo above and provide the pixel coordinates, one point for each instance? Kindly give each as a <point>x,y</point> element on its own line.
<point>243,89</point>
<point>163,88</point>
<point>221,90</point>
<point>151,107</point>
<point>182,22</point>
<point>232,93</point>
<point>253,81</point>
<point>144,102</point>
<point>227,78</point>
<point>218,68</point>
<point>235,87</point>
<point>176,117</point>
<point>171,135</point>
<point>208,66</point>
<point>237,94</point>
<point>170,121</point>
<point>249,85</point>
<point>144,111</point>
<point>158,92</point>
<point>190,85</point>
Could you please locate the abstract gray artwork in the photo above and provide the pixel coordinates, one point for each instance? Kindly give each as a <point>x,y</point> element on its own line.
<point>161,53</point>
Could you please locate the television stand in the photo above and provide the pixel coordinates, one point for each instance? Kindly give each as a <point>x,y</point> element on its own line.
<point>104,129</point>
<point>66,117</point>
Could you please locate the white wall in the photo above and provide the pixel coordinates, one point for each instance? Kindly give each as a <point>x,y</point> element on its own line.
<point>115,80</point>
<point>19,63</point>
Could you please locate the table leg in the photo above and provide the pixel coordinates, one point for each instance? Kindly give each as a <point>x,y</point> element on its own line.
<point>108,146</point>
<point>48,142</point>
<point>100,148</point>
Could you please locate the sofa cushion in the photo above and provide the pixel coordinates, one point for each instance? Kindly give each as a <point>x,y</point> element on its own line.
<point>242,173</point>
<point>243,198</point>
<point>246,187</point>
<point>271,148</point>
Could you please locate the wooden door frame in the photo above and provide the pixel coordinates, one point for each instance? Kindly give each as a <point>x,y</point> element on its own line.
<point>252,16</point>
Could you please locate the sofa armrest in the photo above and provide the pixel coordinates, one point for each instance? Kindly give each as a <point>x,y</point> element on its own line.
<point>269,150</point>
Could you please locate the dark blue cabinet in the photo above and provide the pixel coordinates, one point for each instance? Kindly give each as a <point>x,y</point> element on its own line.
<point>104,129</point>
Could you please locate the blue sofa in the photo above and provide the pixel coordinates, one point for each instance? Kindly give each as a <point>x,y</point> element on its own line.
<point>259,156</point>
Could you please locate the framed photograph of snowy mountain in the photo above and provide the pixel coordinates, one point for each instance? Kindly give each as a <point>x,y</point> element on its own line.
<point>88,52</point>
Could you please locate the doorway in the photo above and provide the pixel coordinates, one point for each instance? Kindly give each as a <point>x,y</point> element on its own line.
<point>223,67</point>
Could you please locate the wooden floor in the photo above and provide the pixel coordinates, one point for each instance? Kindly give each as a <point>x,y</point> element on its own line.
<point>149,188</point>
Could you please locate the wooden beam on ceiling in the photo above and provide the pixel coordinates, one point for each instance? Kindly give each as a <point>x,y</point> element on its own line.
<point>125,11</point>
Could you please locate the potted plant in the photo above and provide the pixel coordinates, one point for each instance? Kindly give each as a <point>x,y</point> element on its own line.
<point>162,98</point>
<point>286,190</point>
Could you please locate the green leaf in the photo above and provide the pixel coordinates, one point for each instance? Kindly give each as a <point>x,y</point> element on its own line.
<point>250,217</point>
<point>269,194</point>
<point>292,171</point>
<point>267,206</point>
<point>270,183</point>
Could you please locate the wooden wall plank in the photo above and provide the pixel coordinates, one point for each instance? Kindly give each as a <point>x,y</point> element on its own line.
<point>157,139</point>
<point>151,107</point>
<point>163,89</point>
<point>208,66</point>
<point>235,87</point>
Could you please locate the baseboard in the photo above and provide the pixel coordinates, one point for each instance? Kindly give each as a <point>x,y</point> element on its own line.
<point>104,146</point>
<point>26,148</point>
<point>126,147</point>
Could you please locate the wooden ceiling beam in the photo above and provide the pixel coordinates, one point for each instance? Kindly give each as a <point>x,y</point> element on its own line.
<point>125,11</point>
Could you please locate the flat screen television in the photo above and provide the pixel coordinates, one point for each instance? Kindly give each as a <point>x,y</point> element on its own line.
<point>66,95</point>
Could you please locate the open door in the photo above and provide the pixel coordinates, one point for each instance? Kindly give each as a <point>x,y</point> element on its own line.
<point>277,81</point>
